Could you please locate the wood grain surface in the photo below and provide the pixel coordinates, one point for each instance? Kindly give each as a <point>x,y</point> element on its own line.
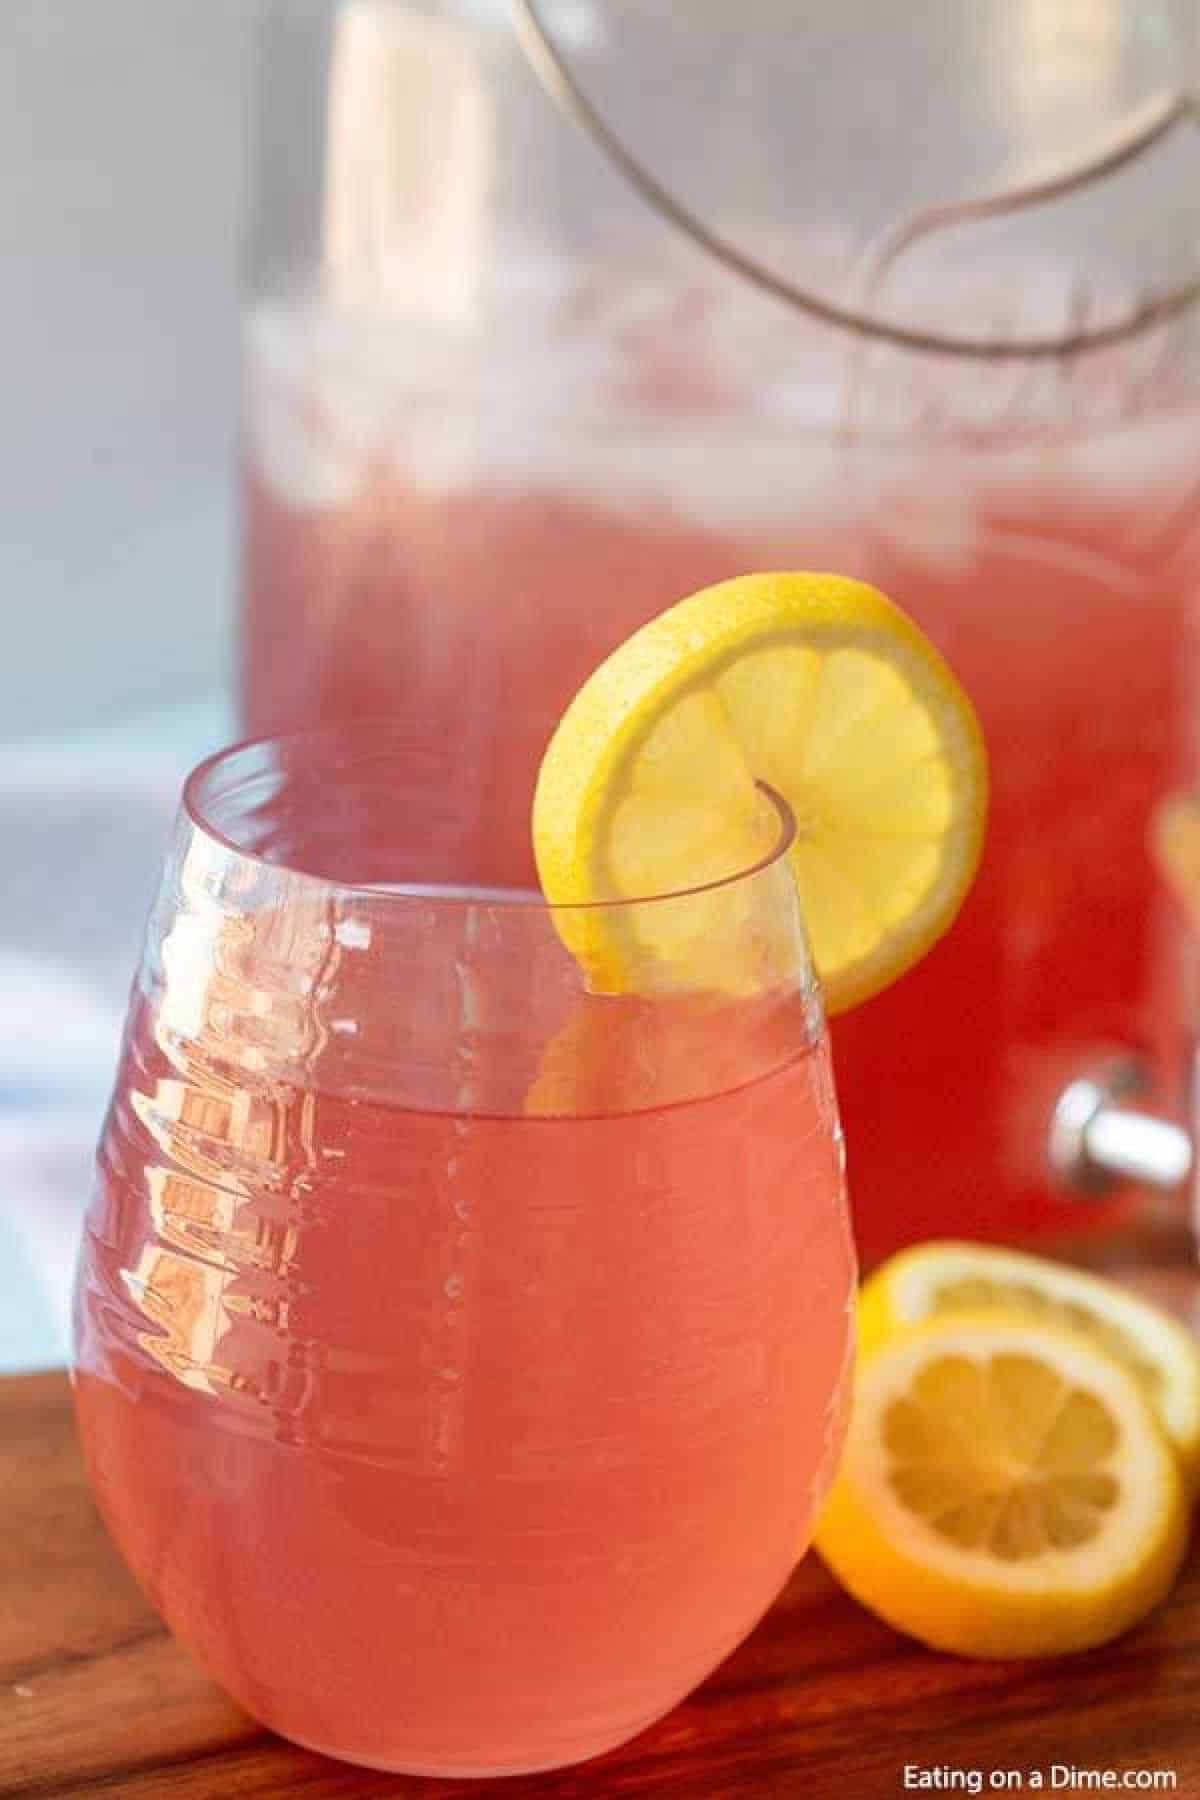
<point>822,1702</point>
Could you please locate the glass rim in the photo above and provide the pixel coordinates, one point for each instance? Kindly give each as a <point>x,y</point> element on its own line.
<point>515,900</point>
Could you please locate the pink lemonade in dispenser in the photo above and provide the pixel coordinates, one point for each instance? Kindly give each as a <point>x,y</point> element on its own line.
<point>500,411</point>
<point>420,541</point>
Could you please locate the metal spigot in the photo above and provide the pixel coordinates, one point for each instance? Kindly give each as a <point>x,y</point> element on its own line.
<point>1098,1140</point>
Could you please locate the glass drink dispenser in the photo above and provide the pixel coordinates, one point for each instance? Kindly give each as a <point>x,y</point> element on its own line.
<point>559,311</point>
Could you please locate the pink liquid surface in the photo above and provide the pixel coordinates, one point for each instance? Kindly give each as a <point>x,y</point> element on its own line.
<point>457,1443</point>
<point>1064,606</point>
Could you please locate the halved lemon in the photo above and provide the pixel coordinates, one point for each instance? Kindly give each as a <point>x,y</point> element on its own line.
<point>944,1277</point>
<point>820,688</point>
<point>1005,1491</point>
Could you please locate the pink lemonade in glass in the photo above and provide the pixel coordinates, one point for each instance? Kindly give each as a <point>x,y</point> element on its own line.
<point>419,540</point>
<point>461,1358</point>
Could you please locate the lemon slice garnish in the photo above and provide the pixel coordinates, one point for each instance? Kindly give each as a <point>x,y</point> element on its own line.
<point>1005,1491</point>
<point>938,1278</point>
<point>819,688</point>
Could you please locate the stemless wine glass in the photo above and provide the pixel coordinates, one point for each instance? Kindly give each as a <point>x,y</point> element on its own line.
<point>461,1355</point>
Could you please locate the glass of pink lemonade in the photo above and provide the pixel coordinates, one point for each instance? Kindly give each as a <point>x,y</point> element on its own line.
<point>461,1356</point>
<point>502,414</point>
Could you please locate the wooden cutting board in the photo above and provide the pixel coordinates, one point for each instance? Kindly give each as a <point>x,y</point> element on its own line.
<point>822,1702</point>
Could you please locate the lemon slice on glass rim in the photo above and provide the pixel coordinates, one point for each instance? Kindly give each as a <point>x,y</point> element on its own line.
<point>813,686</point>
<point>1005,1490</point>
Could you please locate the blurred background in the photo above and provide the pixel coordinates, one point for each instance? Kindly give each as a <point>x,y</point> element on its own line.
<point>122,133</point>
